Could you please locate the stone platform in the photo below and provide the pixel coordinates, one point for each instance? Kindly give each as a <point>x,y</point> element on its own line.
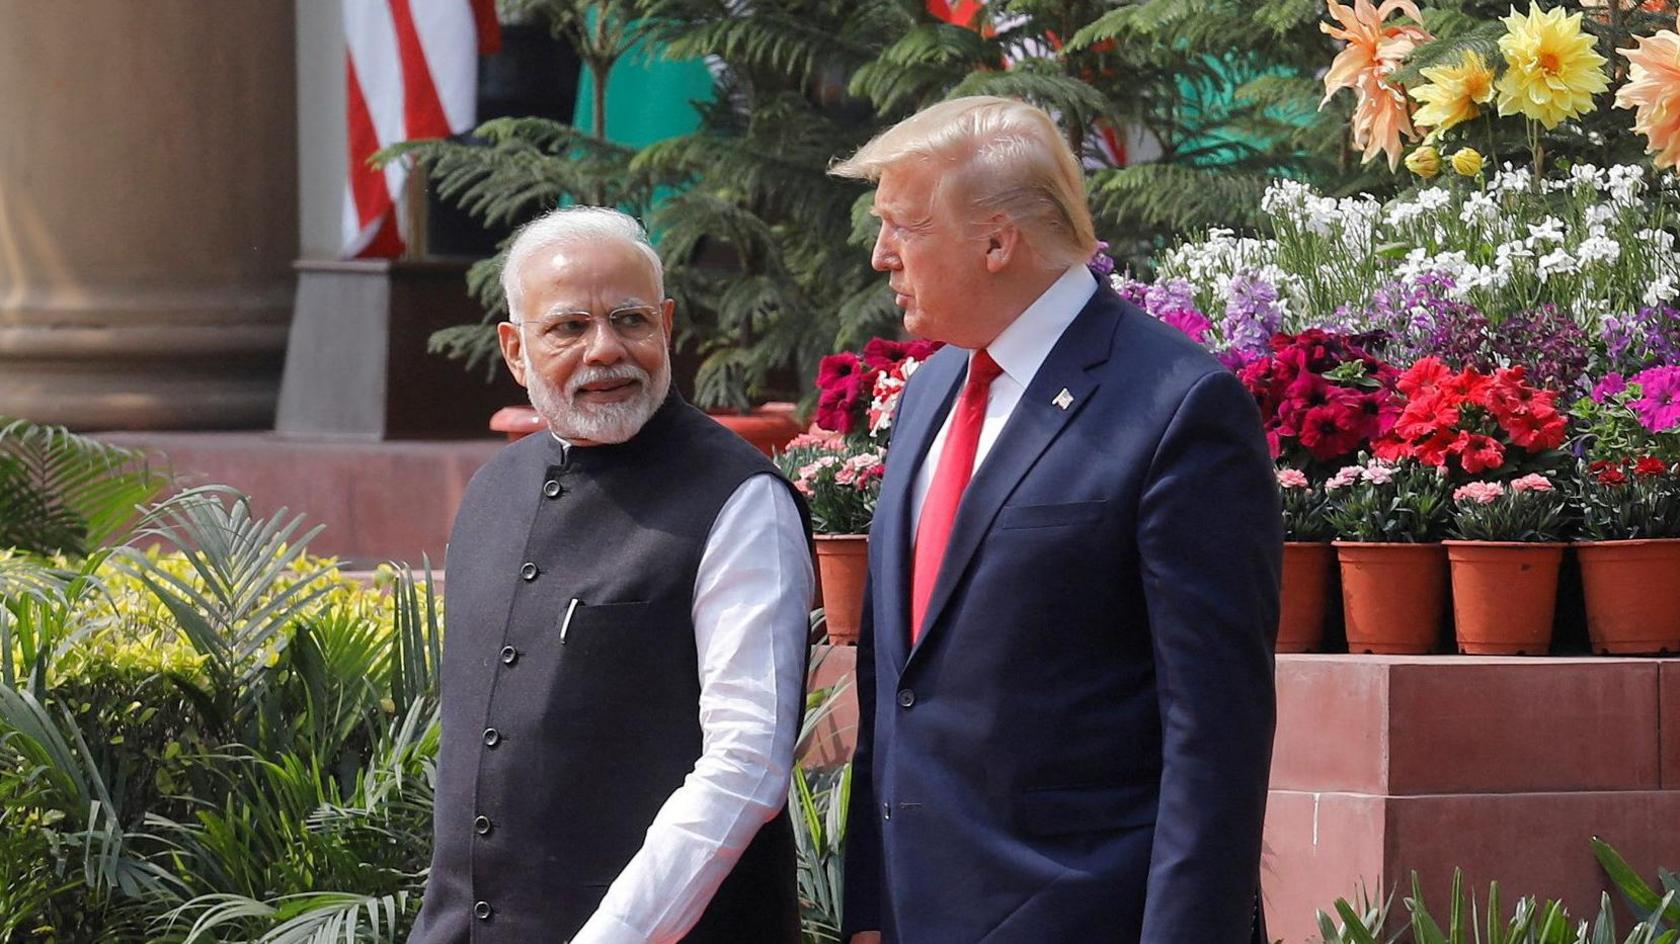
<point>1505,767</point>
<point>379,500</point>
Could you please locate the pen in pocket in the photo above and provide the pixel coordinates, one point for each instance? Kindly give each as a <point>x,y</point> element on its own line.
<point>566,623</point>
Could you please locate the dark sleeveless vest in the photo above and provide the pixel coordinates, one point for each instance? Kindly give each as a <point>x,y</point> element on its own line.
<point>563,738</point>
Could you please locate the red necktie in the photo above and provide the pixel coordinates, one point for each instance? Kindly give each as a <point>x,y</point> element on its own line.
<point>950,478</point>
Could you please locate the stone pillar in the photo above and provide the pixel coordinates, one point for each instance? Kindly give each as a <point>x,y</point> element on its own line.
<point>148,211</point>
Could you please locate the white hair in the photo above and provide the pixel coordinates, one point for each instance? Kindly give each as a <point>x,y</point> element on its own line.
<point>566,226</point>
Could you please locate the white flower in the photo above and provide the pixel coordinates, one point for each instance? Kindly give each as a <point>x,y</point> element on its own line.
<point>1434,198</point>
<point>1660,290</point>
<point>1480,209</point>
<point>1549,229</point>
<point>1600,213</point>
<point>1599,248</point>
<point>1556,262</point>
<point>1627,182</point>
<point>1377,474</point>
<point>1660,238</point>
<point>1588,174</point>
<point>1510,180</point>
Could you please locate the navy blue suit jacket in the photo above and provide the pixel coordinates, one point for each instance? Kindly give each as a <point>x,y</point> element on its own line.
<point>1078,747</point>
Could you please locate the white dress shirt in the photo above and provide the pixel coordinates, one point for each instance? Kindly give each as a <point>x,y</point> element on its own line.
<point>751,615</point>
<point>1020,350</point>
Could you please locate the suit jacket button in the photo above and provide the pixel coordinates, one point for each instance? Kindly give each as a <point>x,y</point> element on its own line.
<point>551,488</point>
<point>492,737</point>
<point>482,911</point>
<point>510,655</point>
<point>482,825</point>
<point>528,572</point>
<point>906,698</point>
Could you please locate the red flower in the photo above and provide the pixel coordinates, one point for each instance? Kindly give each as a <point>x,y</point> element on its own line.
<point>1649,465</point>
<point>884,354</point>
<point>839,403</point>
<point>835,368</point>
<point>1437,449</point>
<point>1536,431</point>
<point>1478,453</point>
<point>1427,373</point>
<point>1605,472</point>
<point>1332,430</point>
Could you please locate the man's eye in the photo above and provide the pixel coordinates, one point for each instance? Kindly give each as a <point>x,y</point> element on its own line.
<point>631,319</point>
<point>569,328</point>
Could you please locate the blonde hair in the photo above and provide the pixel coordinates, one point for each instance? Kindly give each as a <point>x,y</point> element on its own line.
<point>1000,156</point>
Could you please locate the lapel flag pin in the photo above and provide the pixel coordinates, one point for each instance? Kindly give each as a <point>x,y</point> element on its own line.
<point>1063,399</point>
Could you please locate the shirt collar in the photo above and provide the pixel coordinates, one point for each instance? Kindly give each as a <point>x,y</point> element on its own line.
<point>1023,346</point>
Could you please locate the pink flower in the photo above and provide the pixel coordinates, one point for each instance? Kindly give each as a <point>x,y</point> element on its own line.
<point>1291,478</point>
<point>1533,482</point>
<point>1347,476</point>
<point>1377,474</point>
<point>1479,492</point>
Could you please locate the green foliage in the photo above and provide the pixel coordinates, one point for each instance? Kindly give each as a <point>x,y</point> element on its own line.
<point>1404,503</point>
<point>64,492</point>
<point>1512,516</point>
<point>1662,912</point>
<point>1303,513</point>
<point>1471,922</point>
<point>1618,503</point>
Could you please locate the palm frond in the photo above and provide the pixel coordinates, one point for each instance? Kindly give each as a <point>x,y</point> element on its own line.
<point>68,493</point>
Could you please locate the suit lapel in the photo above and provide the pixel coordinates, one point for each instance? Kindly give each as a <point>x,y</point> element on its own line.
<point>938,379</point>
<point>1042,413</point>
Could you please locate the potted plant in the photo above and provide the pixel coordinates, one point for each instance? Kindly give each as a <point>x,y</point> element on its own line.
<point>1505,554</point>
<point>840,482</point>
<point>1307,562</point>
<point>1630,554</point>
<point>1388,519</point>
<point>1628,499</point>
<point>838,466</point>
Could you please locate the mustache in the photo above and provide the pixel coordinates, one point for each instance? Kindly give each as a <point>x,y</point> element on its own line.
<point>589,375</point>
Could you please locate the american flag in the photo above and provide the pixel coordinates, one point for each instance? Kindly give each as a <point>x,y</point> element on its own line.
<point>411,68</point>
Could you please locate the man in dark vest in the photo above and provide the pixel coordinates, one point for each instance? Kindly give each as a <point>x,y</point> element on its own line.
<point>624,637</point>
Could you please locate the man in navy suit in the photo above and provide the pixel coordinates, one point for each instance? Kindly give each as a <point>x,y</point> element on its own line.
<point>1065,670</point>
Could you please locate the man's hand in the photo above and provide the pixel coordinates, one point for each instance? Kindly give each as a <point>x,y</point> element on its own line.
<point>866,937</point>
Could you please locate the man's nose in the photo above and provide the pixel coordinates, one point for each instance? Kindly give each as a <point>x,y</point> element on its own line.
<point>604,346</point>
<point>885,255</point>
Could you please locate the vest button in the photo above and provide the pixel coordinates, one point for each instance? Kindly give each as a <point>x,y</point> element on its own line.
<point>492,737</point>
<point>510,655</point>
<point>886,811</point>
<point>482,911</point>
<point>528,572</point>
<point>906,698</point>
<point>482,825</point>
<point>551,488</point>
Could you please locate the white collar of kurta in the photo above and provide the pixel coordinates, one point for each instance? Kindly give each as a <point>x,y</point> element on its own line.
<point>1023,346</point>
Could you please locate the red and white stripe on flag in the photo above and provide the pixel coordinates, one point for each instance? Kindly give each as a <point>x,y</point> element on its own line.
<point>411,71</point>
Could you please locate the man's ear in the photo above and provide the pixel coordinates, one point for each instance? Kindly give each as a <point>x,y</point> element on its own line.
<point>669,306</point>
<point>512,341</point>
<point>1003,243</point>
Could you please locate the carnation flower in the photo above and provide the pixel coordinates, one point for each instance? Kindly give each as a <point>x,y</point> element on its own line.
<point>1377,474</point>
<point>1345,477</point>
<point>1291,478</point>
<point>1647,466</point>
<point>1479,492</point>
<point>1533,482</point>
<point>1552,71</point>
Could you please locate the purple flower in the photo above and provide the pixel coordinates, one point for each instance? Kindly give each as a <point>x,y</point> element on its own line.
<point>1132,290</point>
<point>1658,406</point>
<point>1549,343</point>
<point>1641,339</point>
<point>1611,385</point>
<point>1173,302</point>
<point>1235,360</point>
<point>1100,264</point>
<point>1252,314</point>
<point>1422,319</point>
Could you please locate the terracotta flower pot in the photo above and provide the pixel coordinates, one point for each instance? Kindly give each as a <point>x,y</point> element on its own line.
<point>768,427</point>
<point>1504,595</point>
<point>1306,590</point>
<point>1633,595</point>
<point>1394,596</point>
<point>842,564</point>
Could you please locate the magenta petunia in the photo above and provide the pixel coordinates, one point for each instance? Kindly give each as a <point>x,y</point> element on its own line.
<point>1658,406</point>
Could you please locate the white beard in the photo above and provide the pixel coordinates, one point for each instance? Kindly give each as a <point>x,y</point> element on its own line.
<point>600,423</point>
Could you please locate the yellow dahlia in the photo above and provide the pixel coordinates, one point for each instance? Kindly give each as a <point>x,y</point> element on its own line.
<point>1373,52</point>
<point>1552,71</point>
<point>1453,93</point>
<point>1653,91</point>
